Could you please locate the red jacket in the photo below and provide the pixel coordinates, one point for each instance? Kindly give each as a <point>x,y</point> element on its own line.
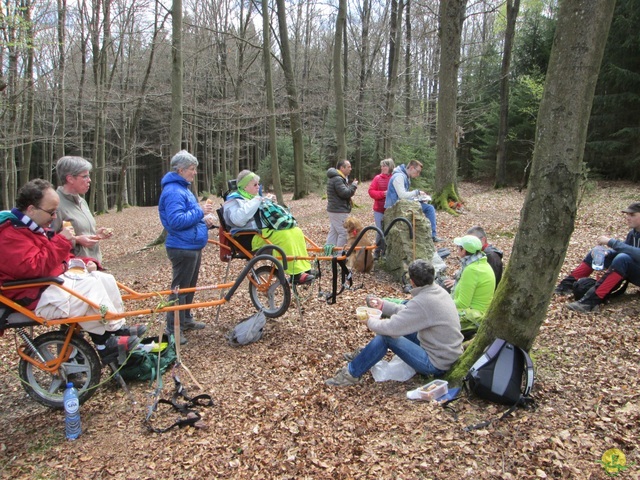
<point>26,254</point>
<point>378,191</point>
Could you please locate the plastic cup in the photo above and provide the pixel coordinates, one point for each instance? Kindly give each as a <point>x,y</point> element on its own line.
<point>361,313</point>
<point>374,313</point>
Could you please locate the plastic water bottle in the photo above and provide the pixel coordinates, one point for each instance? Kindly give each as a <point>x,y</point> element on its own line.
<point>597,258</point>
<point>72,426</point>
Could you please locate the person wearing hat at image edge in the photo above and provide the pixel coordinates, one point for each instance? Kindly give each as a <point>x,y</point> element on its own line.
<point>474,284</point>
<point>621,262</point>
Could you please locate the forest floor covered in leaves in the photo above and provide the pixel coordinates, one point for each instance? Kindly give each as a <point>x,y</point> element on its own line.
<point>275,418</point>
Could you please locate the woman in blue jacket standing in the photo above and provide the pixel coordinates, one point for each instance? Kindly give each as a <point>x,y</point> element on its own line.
<point>186,226</point>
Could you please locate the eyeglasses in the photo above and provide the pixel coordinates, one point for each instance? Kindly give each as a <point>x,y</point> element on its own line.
<point>85,176</point>
<point>50,212</point>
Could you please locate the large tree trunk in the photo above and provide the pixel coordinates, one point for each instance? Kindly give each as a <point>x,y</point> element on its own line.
<point>299,187</point>
<point>520,305</point>
<point>341,141</point>
<point>501,161</point>
<point>451,18</point>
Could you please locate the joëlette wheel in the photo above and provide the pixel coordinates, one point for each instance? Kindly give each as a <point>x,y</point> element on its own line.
<point>267,293</point>
<point>82,368</point>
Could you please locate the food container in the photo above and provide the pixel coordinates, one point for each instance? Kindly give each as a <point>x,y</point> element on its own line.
<point>367,312</point>
<point>431,391</point>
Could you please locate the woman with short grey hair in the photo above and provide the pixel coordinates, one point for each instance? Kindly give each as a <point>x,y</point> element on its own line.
<point>182,161</point>
<point>186,223</point>
<point>74,181</point>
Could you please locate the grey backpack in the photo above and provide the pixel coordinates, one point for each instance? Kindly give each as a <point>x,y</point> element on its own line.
<point>248,330</point>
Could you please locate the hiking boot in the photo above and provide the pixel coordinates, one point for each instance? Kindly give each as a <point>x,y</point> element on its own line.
<point>437,239</point>
<point>350,356</point>
<point>586,304</point>
<point>565,287</point>
<point>191,324</point>
<point>342,379</point>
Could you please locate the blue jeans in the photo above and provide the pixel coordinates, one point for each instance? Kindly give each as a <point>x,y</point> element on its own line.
<point>621,263</point>
<point>186,267</point>
<point>407,348</point>
<point>430,212</point>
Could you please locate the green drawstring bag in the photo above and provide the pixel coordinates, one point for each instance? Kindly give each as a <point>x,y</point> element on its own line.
<point>142,364</point>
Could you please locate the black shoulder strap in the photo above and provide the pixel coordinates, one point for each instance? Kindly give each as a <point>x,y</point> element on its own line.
<point>185,408</point>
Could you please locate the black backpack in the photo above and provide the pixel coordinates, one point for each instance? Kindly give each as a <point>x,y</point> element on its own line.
<point>503,374</point>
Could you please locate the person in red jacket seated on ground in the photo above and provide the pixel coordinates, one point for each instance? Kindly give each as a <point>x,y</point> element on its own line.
<point>32,250</point>
<point>378,191</point>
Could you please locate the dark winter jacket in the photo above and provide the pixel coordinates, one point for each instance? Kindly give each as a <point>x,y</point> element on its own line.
<point>181,215</point>
<point>339,192</point>
<point>494,257</point>
<point>631,245</point>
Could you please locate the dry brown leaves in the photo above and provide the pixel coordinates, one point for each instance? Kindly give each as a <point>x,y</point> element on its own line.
<point>274,417</point>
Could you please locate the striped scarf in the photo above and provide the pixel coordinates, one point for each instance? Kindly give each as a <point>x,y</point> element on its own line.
<point>24,218</point>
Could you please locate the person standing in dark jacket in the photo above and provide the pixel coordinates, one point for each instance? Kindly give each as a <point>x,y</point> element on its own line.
<point>186,226</point>
<point>339,193</point>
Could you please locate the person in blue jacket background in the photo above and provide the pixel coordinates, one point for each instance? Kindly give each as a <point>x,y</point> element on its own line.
<point>187,233</point>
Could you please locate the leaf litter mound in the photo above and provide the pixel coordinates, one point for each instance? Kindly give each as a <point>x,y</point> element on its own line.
<point>274,417</point>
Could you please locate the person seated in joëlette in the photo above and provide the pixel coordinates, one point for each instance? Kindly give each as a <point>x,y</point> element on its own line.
<point>32,250</point>
<point>621,262</point>
<point>424,332</point>
<point>241,211</point>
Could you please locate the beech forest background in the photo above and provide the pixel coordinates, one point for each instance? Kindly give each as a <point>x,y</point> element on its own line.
<point>94,78</point>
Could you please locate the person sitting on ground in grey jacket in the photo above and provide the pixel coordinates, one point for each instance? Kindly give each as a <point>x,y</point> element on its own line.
<point>424,332</point>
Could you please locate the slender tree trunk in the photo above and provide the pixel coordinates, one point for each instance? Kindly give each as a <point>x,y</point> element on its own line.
<point>501,162</point>
<point>451,15</point>
<point>300,187</point>
<point>364,54</point>
<point>60,83</point>
<point>175,127</point>
<point>130,152</point>
<point>27,142</point>
<point>395,41</point>
<point>547,219</point>
<point>271,107</point>
<point>341,128</point>
<point>408,78</point>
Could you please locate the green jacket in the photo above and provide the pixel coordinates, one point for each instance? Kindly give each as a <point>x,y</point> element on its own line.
<point>475,288</point>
